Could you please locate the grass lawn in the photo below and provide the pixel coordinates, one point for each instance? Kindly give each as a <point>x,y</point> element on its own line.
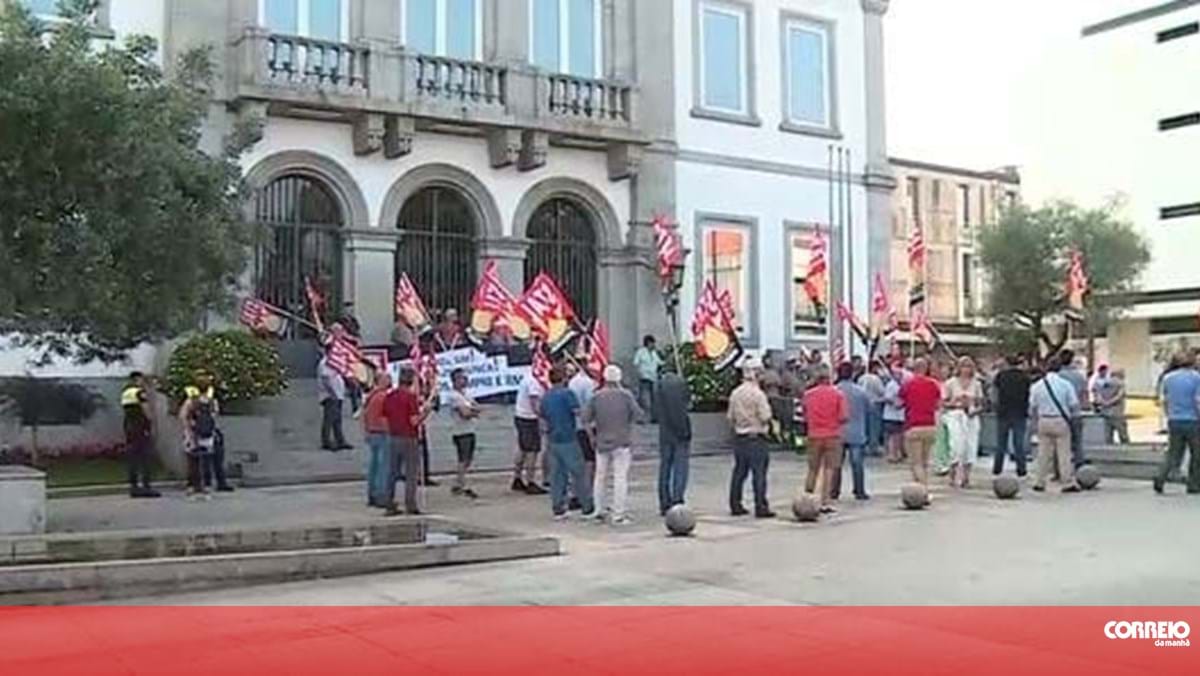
<point>91,472</point>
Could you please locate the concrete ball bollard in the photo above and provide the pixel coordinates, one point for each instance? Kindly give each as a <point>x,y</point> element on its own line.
<point>914,496</point>
<point>680,521</point>
<point>806,508</point>
<point>1088,477</point>
<point>1006,487</point>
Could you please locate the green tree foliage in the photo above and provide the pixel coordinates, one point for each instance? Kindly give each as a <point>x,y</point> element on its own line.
<point>1026,256</point>
<point>243,366</point>
<point>115,227</point>
<point>710,388</point>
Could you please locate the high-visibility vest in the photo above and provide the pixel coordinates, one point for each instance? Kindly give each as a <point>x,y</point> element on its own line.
<point>131,396</point>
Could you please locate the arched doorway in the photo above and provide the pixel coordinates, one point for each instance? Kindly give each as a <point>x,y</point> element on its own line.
<point>563,244</point>
<point>439,247</point>
<point>304,223</point>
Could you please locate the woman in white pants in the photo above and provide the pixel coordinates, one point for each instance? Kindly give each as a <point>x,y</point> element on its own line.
<point>963,399</point>
<point>612,412</point>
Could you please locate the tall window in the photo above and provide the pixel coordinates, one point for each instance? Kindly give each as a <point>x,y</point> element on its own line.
<point>937,193</point>
<point>566,36</point>
<point>725,259</point>
<point>304,221</point>
<point>809,81</point>
<point>723,55</point>
<point>563,239</point>
<point>451,28</point>
<point>968,284</point>
<point>914,200</point>
<point>804,318</point>
<point>964,204</point>
<point>438,247</point>
<point>321,19</point>
<point>983,216</point>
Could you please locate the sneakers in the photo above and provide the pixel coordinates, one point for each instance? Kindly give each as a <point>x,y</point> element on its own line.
<point>622,520</point>
<point>1159,484</point>
<point>470,493</point>
<point>518,485</point>
<point>534,489</point>
<point>738,511</point>
<point>561,517</point>
<point>574,505</point>
<point>1070,489</point>
<point>766,514</point>
<point>593,515</point>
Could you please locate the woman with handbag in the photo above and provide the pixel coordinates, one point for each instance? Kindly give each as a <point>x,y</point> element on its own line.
<point>963,402</point>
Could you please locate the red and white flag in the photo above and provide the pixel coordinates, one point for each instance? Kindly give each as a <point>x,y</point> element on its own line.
<point>922,329</point>
<point>540,370</point>
<point>670,247</point>
<point>838,356</point>
<point>600,350</point>
<point>547,312</point>
<point>492,303</point>
<point>1078,286</point>
<point>261,317</point>
<point>342,354</point>
<point>917,254</point>
<point>316,303</point>
<point>860,328</point>
<point>410,306</point>
<point>816,279</point>
<point>713,328</point>
<point>883,315</point>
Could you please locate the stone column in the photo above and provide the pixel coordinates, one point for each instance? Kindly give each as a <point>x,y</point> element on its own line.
<point>371,257</point>
<point>509,254</point>
<point>878,171</point>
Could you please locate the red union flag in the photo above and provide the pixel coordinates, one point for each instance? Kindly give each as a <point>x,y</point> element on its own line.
<point>916,266</point>
<point>669,245</point>
<point>860,328</point>
<point>547,312</point>
<point>342,354</point>
<point>540,370</point>
<point>922,329</point>
<point>816,279</point>
<point>883,315</point>
<point>838,356</point>
<point>410,306</point>
<point>600,350</point>
<point>261,317</point>
<point>712,327</point>
<point>1077,287</point>
<point>316,303</point>
<point>492,302</point>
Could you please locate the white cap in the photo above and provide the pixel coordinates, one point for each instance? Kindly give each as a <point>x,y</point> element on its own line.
<point>612,374</point>
<point>751,362</point>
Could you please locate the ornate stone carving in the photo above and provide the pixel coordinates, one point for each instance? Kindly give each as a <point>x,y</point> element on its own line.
<point>879,7</point>
<point>624,159</point>
<point>535,145</point>
<point>398,136</point>
<point>368,133</point>
<point>504,147</point>
<point>250,122</point>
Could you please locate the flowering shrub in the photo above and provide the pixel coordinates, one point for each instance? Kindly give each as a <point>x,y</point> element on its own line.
<point>710,388</point>
<point>244,367</point>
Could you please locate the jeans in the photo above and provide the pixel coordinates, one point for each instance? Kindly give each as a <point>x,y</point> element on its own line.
<point>857,455</point>
<point>619,460</point>
<point>380,474</point>
<point>331,424</point>
<point>215,471</point>
<point>1182,435</point>
<point>645,397</point>
<point>672,471</point>
<point>137,457</point>
<point>406,453</point>
<point>1077,458</point>
<point>750,458</point>
<point>199,466</point>
<point>354,394</point>
<point>874,429</point>
<point>1016,429</point>
<point>566,464</point>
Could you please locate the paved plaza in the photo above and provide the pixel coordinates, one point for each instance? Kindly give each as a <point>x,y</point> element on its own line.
<point>1117,545</point>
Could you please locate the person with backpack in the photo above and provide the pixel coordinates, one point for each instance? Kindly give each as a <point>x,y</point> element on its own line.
<point>198,417</point>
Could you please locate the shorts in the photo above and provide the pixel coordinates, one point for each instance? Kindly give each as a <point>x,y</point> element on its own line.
<point>892,428</point>
<point>585,445</point>
<point>529,435</point>
<point>465,445</point>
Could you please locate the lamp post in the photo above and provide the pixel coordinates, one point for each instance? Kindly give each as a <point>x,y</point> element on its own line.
<point>671,286</point>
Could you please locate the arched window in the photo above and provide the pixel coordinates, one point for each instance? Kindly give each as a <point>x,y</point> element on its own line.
<point>564,245</point>
<point>303,240</point>
<point>439,247</point>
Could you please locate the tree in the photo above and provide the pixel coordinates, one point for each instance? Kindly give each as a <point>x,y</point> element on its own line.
<point>115,227</point>
<point>35,402</point>
<point>1026,254</point>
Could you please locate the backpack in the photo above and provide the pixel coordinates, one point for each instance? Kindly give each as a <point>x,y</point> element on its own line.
<point>204,423</point>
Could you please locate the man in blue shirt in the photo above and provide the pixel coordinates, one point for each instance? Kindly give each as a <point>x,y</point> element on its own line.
<point>1181,407</point>
<point>854,431</point>
<point>559,410</point>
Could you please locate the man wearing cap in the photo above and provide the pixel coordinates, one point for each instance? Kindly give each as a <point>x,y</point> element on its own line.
<point>750,416</point>
<point>613,411</point>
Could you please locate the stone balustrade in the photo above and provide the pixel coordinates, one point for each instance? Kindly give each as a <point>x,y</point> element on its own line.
<point>466,83</point>
<point>316,64</point>
<point>599,101</point>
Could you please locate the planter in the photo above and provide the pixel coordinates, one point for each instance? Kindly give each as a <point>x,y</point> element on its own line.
<point>22,500</point>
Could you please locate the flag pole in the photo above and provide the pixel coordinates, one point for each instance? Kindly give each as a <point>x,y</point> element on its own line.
<point>830,268</point>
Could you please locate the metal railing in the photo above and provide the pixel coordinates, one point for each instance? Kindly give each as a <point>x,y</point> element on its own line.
<point>589,99</point>
<point>319,64</point>
<point>462,82</point>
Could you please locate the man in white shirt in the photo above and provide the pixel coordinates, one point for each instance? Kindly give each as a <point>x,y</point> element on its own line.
<point>529,437</point>
<point>1053,403</point>
<point>464,410</point>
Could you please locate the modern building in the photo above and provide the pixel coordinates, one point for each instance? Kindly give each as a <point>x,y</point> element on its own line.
<point>949,204</point>
<point>1137,96</point>
<point>428,136</point>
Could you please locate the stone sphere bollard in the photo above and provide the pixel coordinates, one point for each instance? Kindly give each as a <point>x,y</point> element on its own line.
<point>914,496</point>
<point>806,507</point>
<point>1087,477</point>
<point>680,521</point>
<point>1006,487</point>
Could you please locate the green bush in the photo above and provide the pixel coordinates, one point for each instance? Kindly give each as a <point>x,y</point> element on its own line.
<point>244,367</point>
<point>710,388</point>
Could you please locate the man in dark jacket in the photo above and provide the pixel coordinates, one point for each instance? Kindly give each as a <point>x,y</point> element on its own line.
<point>1012,410</point>
<point>671,402</point>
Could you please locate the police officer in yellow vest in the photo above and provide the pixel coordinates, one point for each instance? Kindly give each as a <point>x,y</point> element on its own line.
<point>138,436</point>
<point>198,415</point>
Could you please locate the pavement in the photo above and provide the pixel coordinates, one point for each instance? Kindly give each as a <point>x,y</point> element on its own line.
<point>1117,545</point>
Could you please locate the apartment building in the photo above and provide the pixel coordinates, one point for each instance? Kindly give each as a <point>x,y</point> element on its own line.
<point>949,204</point>
<point>429,136</point>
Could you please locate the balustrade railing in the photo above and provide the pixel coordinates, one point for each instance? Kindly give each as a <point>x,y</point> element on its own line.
<point>319,64</point>
<point>468,83</point>
<point>588,99</point>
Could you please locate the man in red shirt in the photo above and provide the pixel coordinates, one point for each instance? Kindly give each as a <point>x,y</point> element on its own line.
<point>405,414</point>
<point>922,396</point>
<point>824,411</point>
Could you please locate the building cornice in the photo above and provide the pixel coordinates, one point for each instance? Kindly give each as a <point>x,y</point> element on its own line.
<point>1012,177</point>
<point>877,7</point>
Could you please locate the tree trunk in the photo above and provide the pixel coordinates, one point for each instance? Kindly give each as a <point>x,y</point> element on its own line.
<point>1091,348</point>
